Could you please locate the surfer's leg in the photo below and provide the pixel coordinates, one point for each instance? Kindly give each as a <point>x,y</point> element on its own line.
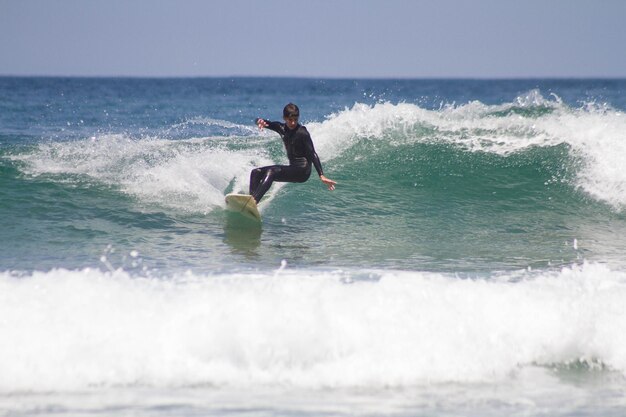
<point>264,177</point>
<point>265,183</point>
<point>256,176</point>
<point>261,180</point>
<point>293,174</point>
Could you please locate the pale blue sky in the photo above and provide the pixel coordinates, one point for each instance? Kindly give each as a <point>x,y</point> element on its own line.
<point>314,38</point>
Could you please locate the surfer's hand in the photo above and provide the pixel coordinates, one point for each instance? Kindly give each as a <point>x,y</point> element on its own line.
<point>329,183</point>
<point>261,123</point>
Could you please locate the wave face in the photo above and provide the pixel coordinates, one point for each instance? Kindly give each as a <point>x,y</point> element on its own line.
<point>580,147</point>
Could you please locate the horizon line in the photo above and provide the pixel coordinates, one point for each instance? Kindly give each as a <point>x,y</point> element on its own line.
<point>310,77</point>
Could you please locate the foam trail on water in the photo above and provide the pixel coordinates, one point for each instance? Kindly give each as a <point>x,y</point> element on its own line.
<point>187,175</point>
<point>66,330</point>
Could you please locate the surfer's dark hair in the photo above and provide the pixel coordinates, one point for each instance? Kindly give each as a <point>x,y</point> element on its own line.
<point>291,110</point>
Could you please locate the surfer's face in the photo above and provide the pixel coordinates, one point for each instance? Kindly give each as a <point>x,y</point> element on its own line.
<point>292,122</point>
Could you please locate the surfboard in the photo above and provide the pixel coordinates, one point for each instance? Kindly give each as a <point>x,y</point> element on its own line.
<point>243,204</point>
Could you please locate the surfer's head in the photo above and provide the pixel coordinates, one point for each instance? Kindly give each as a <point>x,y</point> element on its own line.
<point>291,110</point>
<point>291,113</point>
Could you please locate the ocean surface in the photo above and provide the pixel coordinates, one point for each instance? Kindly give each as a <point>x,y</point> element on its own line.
<point>471,262</point>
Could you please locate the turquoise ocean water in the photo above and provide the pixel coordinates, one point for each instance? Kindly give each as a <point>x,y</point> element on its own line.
<point>472,260</point>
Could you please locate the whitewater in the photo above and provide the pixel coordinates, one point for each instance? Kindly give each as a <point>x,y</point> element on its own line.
<point>313,330</point>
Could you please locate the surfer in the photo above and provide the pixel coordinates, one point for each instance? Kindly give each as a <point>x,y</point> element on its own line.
<point>300,152</point>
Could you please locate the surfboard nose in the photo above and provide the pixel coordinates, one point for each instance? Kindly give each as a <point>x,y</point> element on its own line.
<point>243,204</point>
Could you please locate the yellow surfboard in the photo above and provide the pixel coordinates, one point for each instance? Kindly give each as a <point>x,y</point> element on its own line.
<point>244,204</point>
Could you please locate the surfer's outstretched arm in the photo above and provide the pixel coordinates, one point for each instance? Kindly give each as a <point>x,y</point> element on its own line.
<point>275,126</point>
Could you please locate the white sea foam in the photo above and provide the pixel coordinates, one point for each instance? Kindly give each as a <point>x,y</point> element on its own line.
<point>66,330</point>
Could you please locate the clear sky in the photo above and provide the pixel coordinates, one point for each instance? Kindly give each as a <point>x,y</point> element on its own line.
<point>314,38</point>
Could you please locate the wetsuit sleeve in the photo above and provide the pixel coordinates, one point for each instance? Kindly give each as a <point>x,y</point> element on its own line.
<point>275,126</point>
<point>312,155</point>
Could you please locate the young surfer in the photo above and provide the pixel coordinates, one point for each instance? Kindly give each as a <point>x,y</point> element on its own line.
<point>300,152</point>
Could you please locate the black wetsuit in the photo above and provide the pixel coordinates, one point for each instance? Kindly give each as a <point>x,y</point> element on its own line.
<point>301,154</point>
